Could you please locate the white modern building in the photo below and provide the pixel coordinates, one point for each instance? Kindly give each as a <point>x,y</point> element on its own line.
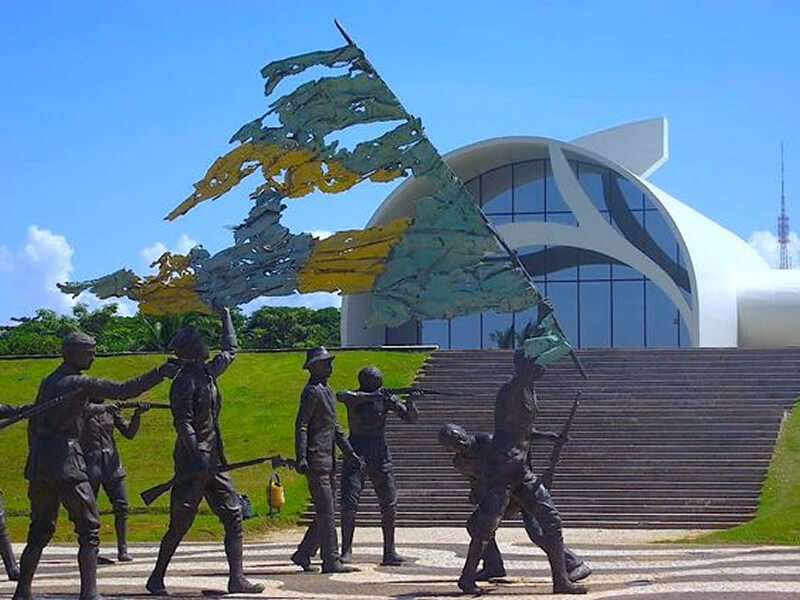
<point>625,263</point>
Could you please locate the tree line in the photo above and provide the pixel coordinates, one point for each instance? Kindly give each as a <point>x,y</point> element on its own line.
<point>268,327</point>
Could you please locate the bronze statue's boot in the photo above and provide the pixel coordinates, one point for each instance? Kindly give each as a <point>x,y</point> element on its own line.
<point>121,527</point>
<point>338,567</point>
<point>87,564</point>
<point>555,554</point>
<point>582,571</point>
<point>390,556</point>
<point>303,561</point>
<point>466,582</point>
<point>348,528</point>
<point>27,567</point>
<point>155,583</point>
<point>237,582</point>
<point>493,566</point>
<point>7,552</point>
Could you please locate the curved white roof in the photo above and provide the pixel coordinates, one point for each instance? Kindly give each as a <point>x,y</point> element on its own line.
<point>715,258</point>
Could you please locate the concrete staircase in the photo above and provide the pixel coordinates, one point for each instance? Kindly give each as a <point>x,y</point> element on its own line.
<point>663,438</point>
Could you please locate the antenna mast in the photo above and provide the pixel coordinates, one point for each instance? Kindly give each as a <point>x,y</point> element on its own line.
<point>783,227</point>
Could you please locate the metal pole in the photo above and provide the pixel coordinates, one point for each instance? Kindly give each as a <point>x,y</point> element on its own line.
<point>514,256</point>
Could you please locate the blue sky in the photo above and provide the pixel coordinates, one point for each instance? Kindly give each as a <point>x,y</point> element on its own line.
<point>111,110</point>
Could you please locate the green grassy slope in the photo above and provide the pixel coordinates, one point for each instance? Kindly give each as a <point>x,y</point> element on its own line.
<point>260,394</point>
<point>777,520</point>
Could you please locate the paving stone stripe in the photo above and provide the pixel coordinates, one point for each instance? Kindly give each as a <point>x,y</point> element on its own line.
<point>624,567</point>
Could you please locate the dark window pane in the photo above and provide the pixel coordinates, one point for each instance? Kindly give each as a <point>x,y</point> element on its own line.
<point>534,259</point>
<point>435,331</point>
<point>565,299</point>
<point>465,332</point>
<point>590,268</point>
<point>683,332</point>
<point>662,318</point>
<point>529,186</point>
<point>402,334</point>
<point>591,178</point>
<point>474,188</point>
<point>595,311</point>
<point>496,190</point>
<point>553,197</point>
<point>634,197</point>
<point>659,230</point>
<point>561,263</point>
<point>628,313</point>
<point>498,331</point>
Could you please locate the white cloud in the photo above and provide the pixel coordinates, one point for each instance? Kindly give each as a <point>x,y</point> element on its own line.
<point>320,233</point>
<point>182,246</point>
<point>766,244</point>
<point>33,272</point>
<point>6,259</point>
<point>125,307</point>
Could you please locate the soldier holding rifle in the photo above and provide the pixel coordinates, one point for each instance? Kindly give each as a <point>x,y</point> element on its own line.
<point>471,451</point>
<point>56,469</point>
<point>103,464</point>
<point>507,471</point>
<point>366,416</point>
<point>199,456</point>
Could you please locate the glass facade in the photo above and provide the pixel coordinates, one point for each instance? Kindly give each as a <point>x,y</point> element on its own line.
<point>599,301</point>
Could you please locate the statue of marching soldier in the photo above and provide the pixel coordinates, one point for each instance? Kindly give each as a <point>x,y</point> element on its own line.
<point>505,473</point>
<point>316,433</point>
<point>103,464</point>
<point>367,409</point>
<point>56,469</point>
<point>199,455</point>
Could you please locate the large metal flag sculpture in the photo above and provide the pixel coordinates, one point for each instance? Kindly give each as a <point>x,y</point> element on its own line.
<point>443,261</point>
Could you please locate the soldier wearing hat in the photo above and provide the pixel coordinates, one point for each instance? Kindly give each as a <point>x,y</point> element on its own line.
<point>56,470</point>
<point>367,409</point>
<point>199,454</point>
<point>316,431</point>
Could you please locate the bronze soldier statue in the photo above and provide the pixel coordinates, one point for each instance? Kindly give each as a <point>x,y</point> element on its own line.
<point>199,454</point>
<point>507,470</point>
<point>56,470</point>
<point>6,551</point>
<point>366,417</point>
<point>470,453</point>
<point>103,464</point>
<point>316,431</point>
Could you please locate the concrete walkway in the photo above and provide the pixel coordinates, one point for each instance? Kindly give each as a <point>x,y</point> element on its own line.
<point>627,564</point>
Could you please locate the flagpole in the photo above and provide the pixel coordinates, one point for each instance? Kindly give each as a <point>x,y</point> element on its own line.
<point>512,253</point>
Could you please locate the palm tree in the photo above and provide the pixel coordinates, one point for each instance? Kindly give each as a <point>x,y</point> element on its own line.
<point>504,338</point>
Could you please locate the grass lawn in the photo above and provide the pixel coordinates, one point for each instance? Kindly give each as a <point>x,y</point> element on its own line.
<point>777,520</point>
<point>260,394</point>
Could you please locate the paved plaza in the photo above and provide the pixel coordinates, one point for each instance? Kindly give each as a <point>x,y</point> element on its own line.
<point>627,564</point>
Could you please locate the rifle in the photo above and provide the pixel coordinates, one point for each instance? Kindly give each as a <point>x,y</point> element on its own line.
<point>150,494</point>
<point>404,391</point>
<point>126,405</point>
<point>36,409</point>
<point>555,455</point>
